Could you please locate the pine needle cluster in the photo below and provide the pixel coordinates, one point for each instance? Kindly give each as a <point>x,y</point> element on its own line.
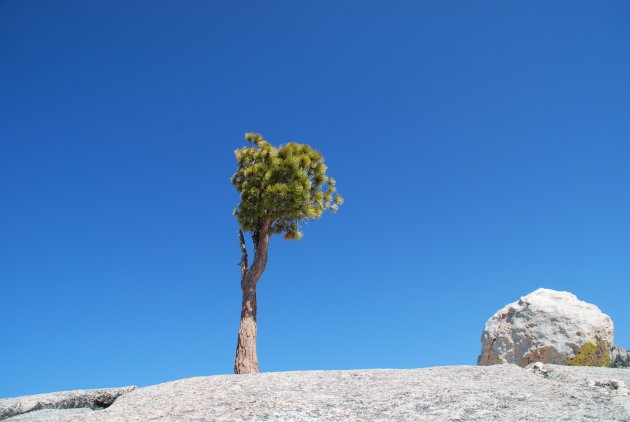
<point>283,185</point>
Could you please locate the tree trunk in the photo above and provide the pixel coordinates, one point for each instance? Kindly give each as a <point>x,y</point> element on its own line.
<point>246,361</point>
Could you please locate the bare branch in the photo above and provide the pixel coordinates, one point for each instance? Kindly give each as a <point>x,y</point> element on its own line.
<point>244,257</point>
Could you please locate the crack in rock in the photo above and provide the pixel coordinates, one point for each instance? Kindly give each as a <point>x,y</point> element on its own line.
<point>91,399</point>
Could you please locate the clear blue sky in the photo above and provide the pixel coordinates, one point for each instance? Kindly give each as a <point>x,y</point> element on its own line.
<point>482,149</point>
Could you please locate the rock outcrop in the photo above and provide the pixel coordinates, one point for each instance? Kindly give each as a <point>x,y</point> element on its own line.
<point>457,393</point>
<point>78,399</point>
<point>619,357</point>
<point>547,326</point>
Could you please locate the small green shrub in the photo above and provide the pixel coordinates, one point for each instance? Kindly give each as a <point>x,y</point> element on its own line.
<point>591,355</point>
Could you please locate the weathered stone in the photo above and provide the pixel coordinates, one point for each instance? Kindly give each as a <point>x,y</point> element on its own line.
<point>460,393</point>
<point>547,326</point>
<point>619,357</point>
<point>90,399</point>
<point>50,415</point>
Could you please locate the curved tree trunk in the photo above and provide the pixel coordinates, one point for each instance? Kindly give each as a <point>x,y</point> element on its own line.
<point>246,361</point>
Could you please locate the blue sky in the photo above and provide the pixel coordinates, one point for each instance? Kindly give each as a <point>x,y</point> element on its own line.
<point>482,149</point>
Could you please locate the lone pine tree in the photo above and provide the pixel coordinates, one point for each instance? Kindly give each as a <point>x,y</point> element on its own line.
<point>280,188</point>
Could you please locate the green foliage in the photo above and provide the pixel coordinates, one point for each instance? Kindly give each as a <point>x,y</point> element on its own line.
<point>592,355</point>
<point>283,185</point>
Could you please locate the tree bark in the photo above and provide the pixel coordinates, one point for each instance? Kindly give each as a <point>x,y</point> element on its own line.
<point>246,361</point>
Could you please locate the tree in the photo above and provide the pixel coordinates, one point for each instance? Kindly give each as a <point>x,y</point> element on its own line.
<point>281,187</point>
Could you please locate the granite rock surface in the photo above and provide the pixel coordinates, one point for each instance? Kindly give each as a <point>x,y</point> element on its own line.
<point>545,326</point>
<point>78,399</point>
<point>619,357</point>
<point>460,393</point>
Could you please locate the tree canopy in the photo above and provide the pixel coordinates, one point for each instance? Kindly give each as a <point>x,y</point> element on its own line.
<point>281,186</point>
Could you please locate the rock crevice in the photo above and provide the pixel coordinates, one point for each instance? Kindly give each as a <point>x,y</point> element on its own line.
<point>78,399</point>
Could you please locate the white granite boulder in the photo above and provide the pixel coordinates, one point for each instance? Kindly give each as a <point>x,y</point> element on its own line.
<point>547,326</point>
